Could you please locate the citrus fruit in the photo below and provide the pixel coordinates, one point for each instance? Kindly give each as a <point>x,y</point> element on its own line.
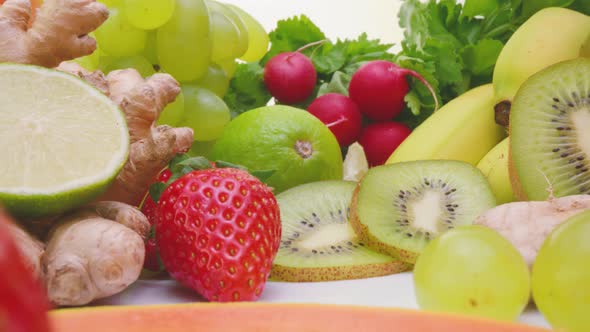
<point>62,141</point>
<point>297,146</point>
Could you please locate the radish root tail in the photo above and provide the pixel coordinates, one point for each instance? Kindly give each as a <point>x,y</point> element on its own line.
<point>425,82</point>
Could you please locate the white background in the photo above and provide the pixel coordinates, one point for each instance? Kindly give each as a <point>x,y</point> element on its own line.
<point>336,18</point>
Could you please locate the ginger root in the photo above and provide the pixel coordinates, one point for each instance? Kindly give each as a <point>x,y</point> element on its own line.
<point>152,147</point>
<point>527,224</point>
<point>91,253</point>
<point>95,252</point>
<point>59,32</point>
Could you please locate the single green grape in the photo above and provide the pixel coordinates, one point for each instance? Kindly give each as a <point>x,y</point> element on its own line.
<point>225,37</point>
<point>173,113</point>
<point>183,43</point>
<point>149,14</point>
<point>215,80</point>
<point>105,61</point>
<point>258,40</point>
<point>137,62</point>
<point>229,66</point>
<point>472,270</point>
<point>101,51</point>
<point>150,51</point>
<point>561,275</point>
<point>117,37</point>
<point>242,31</point>
<point>204,112</point>
<point>201,149</point>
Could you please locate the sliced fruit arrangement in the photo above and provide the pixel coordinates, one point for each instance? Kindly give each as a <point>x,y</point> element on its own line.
<point>82,149</point>
<point>318,242</point>
<point>398,209</point>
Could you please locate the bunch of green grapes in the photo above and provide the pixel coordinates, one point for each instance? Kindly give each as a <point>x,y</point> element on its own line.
<point>198,42</point>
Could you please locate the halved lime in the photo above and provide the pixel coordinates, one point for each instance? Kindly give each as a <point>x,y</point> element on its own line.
<point>62,141</point>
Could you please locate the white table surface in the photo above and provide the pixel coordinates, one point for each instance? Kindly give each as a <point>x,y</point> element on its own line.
<point>337,19</point>
<point>389,291</point>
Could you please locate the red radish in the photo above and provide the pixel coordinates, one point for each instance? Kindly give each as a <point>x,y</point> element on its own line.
<point>290,77</point>
<point>379,87</point>
<point>340,114</point>
<point>379,140</point>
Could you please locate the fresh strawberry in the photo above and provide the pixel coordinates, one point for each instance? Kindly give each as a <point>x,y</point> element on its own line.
<point>23,301</point>
<point>218,232</point>
<point>149,209</point>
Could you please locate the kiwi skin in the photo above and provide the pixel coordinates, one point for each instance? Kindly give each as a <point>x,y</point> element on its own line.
<point>517,189</point>
<point>362,232</point>
<point>282,273</point>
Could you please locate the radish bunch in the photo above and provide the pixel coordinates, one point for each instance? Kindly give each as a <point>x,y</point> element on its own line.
<point>376,95</point>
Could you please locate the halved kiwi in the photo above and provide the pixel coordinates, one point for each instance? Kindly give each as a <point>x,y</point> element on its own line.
<point>550,132</point>
<point>318,243</point>
<point>398,208</point>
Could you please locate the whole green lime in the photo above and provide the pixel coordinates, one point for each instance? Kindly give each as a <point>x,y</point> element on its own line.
<point>290,141</point>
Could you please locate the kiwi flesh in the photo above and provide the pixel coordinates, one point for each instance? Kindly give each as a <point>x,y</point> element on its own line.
<point>397,209</point>
<point>550,132</point>
<point>318,243</point>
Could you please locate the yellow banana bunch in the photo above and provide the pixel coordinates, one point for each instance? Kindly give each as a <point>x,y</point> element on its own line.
<point>494,166</point>
<point>549,36</point>
<point>463,129</point>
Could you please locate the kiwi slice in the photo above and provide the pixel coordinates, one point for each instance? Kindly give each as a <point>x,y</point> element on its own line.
<point>318,243</point>
<point>398,208</point>
<point>550,132</point>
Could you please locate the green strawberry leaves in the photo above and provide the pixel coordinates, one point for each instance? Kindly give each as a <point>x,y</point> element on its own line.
<point>182,164</point>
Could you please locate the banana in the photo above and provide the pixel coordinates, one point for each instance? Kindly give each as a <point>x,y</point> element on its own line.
<point>549,36</point>
<point>494,166</point>
<point>463,129</point>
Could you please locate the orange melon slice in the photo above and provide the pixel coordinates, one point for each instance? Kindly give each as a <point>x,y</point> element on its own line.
<point>263,317</point>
